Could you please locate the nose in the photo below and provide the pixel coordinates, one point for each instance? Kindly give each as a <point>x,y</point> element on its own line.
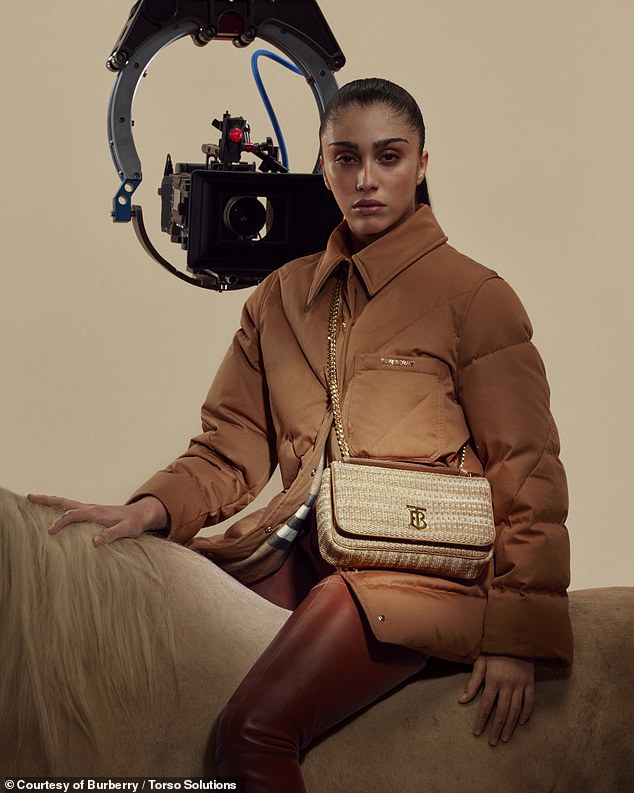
<point>366,177</point>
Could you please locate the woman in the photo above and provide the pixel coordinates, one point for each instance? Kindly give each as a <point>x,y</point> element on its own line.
<point>435,352</point>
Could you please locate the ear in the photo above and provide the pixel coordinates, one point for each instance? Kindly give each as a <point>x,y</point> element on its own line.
<point>323,173</point>
<point>422,167</point>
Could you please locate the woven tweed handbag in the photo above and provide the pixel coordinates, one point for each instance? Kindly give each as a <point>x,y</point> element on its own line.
<point>382,514</point>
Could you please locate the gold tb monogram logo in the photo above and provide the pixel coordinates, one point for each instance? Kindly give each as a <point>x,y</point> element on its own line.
<point>417,517</point>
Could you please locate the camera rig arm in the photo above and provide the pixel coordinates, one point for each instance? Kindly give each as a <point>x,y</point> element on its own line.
<point>296,27</point>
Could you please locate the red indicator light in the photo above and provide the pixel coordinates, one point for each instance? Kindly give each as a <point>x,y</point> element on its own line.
<point>235,135</point>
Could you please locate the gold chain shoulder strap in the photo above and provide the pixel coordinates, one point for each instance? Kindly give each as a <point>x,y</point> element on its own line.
<point>331,369</point>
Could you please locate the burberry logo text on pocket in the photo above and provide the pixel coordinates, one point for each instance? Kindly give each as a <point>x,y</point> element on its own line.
<point>417,517</point>
<point>396,362</point>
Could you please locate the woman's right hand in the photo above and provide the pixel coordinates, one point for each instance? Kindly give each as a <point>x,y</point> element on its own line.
<point>129,520</point>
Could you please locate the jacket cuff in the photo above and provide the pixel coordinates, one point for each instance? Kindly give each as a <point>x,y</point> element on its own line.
<point>174,497</point>
<point>529,626</point>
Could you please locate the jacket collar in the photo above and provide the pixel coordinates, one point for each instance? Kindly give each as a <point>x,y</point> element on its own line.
<point>380,262</point>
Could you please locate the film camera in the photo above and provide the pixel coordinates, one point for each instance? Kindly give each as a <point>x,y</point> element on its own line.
<point>238,224</point>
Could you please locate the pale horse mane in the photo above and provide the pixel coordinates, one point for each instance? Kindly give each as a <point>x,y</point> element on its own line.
<point>83,626</point>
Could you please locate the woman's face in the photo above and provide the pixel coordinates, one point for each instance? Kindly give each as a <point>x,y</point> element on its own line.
<point>372,164</point>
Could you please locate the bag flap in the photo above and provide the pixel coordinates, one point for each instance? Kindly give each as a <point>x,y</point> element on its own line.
<point>412,506</point>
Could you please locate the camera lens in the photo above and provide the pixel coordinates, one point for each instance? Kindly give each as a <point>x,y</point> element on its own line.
<point>245,216</point>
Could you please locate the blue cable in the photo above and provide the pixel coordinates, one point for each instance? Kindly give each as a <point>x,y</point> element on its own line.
<point>265,97</point>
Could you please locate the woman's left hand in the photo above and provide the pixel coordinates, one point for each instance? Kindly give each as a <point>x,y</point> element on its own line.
<point>509,688</point>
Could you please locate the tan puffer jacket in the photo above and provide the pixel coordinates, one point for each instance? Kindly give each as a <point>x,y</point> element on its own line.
<point>472,373</point>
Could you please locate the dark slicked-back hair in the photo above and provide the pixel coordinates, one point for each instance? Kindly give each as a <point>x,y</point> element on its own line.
<point>375,91</point>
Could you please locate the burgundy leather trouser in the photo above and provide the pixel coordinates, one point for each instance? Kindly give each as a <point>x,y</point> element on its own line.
<point>323,666</point>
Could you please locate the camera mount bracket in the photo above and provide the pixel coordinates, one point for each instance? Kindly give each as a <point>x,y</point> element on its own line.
<point>296,27</point>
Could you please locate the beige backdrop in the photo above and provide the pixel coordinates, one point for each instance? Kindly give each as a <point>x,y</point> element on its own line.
<point>530,114</point>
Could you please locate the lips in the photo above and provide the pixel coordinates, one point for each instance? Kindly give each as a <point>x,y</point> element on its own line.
<point>367,206</point>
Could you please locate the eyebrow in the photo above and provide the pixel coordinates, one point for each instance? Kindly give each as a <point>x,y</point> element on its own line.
<point>379,144</point>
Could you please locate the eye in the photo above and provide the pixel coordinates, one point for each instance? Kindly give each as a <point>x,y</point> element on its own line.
<point>390,156</point>
<point>344,159</point>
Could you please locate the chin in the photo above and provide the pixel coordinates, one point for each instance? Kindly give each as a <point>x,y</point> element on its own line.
<point>370,229</point>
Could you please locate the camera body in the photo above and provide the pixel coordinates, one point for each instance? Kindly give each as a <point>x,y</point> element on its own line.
<point>238,223</point>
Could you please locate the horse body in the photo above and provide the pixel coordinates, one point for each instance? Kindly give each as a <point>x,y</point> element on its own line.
<point>118,660</point>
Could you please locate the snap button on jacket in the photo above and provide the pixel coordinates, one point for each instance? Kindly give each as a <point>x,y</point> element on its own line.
<point>434,350</point>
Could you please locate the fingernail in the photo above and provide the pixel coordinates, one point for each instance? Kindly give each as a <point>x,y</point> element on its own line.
<point>98,539</point>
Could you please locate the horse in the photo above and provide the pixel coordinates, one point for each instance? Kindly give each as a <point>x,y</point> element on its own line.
<point>117,661</point>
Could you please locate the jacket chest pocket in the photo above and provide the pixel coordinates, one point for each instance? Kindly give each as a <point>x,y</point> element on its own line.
<point>397,407</point>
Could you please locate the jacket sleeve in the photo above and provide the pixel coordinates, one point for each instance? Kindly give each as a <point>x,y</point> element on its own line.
<point>228,464</point>
<point>505,398</point>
